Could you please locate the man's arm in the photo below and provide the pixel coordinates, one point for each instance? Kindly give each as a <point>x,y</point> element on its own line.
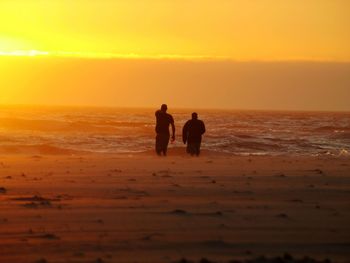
<point>171,120</point>
<point>173,130</point>
<point>203,128</point>
<point>184,133</point>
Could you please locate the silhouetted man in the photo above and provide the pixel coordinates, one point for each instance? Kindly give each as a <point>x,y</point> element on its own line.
<point>192,134</point>
<point>162,129</point>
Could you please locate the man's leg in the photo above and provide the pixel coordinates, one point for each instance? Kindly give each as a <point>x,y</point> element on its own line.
<point>191,149</point>
<point>198,148</point>
<point>165,144</point>
<point>188,148</point>
<point>163,141</point>
<point>158,144</point>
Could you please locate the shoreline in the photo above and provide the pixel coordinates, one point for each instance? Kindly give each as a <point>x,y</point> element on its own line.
<point>43,149</point>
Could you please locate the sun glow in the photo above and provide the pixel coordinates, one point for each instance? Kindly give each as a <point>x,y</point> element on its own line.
<point>100,55</point>
<point>21,53</point>
<point>237,29</point>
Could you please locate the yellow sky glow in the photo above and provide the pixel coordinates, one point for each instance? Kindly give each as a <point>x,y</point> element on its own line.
<point>235,29</point>
<point>68,54</point>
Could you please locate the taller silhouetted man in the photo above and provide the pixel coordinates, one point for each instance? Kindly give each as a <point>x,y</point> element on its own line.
<point>162,129</point>
<point>192,134</point>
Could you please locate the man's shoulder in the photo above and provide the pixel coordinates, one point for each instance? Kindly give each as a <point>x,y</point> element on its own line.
<point>169,116</point>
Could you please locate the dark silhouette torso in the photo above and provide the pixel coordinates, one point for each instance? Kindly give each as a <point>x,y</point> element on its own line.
<point>193,131</point>
<point>163,121</point>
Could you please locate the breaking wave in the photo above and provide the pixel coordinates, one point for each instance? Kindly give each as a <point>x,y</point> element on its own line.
<point>83,130</point>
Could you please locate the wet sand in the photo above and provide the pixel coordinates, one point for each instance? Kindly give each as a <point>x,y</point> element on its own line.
<point>143,208</point>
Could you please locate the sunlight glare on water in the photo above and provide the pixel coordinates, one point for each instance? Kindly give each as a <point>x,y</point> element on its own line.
<point>113,130</point>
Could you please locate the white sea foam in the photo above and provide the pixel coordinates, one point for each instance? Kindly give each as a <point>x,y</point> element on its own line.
<point>115,130</point>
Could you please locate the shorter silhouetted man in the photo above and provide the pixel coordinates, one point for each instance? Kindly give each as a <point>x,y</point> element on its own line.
<point>192,134</point>
<point>162,129</point>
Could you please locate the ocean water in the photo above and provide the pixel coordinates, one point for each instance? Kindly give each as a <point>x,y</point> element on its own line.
<point>113,130</point>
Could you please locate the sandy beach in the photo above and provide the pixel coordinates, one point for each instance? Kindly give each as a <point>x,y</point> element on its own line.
<point>143,208</point>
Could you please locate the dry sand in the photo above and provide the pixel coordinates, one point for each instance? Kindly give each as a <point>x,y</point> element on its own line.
<point>143,208</point>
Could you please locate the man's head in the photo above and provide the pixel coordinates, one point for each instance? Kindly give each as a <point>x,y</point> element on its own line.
<point>164,107</point>
<point>194,116</point>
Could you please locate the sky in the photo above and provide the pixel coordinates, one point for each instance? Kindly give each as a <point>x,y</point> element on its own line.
<point>260,54</point>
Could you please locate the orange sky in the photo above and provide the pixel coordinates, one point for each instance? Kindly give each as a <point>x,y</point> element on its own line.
<point>238,29</point>
<point>206,32</point>
<point>180,83</point>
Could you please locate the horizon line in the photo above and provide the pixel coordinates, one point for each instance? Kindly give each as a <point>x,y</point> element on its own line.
<point>174,108</point>
<point>135,56</point>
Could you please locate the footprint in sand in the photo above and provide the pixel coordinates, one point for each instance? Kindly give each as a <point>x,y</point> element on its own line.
<point>242,192</point>
<point>280,175</point>
<point>179,212</point>
<point>50,236</point>
<point>214,214</point>
<point>151,236</point>
<point>223,226</point>
<point>296,201</point>
<point>99,221</point>
<point>318,171</point>
<point>282,215</point>
<point>204,177</point>
<point>37,179</point>
<point>116,171</point>
<point>37,202</point>
<point>47,236</point>
<point>166,176</point>
<point>79,254</point>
